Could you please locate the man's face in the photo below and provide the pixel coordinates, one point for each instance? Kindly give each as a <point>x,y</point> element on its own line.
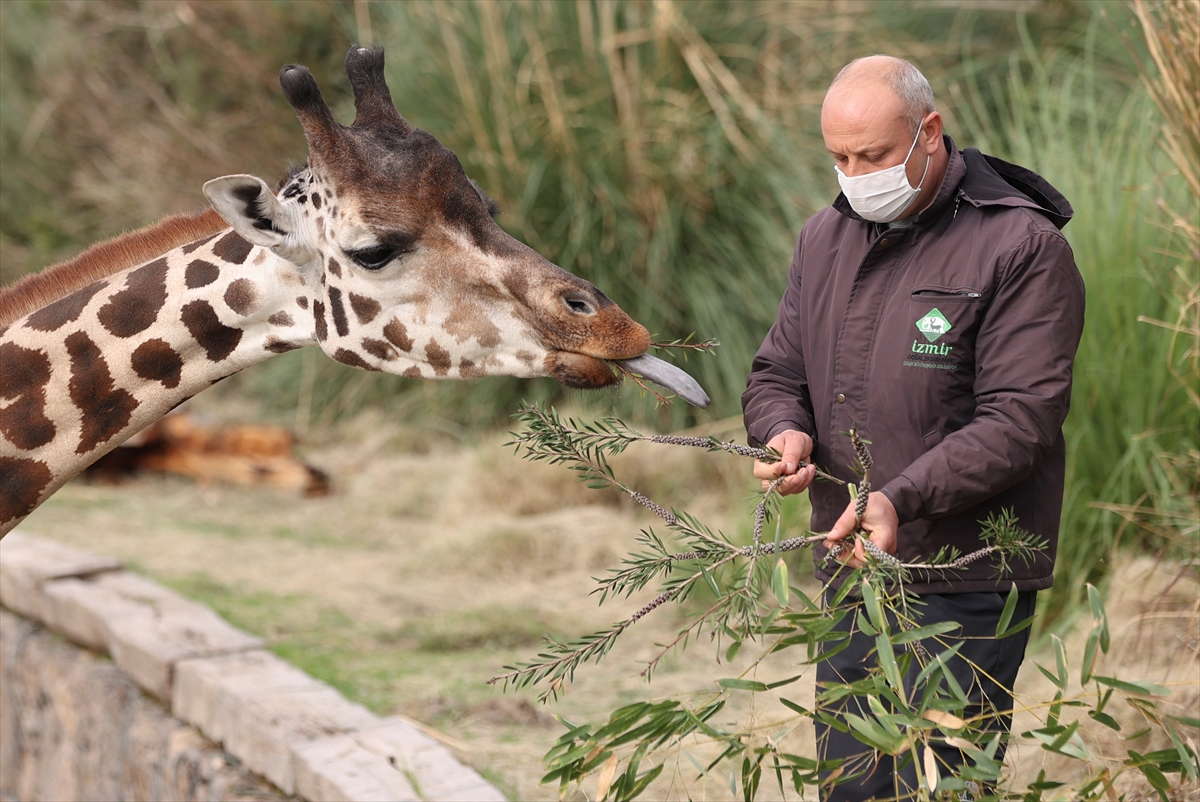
<point>865,131</point>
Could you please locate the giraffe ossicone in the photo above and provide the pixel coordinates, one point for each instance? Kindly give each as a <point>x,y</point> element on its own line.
<point>379,250</point>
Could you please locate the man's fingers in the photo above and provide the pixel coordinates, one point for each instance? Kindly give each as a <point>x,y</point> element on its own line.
<point>843,527</point>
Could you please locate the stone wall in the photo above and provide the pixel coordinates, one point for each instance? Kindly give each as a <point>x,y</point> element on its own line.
<point>72,726</point>
<point>75,726</point>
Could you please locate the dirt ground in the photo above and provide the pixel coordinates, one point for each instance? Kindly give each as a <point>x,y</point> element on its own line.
<point>441,557</point>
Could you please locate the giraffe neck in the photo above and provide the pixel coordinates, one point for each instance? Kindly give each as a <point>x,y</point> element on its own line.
<point>83,373</point>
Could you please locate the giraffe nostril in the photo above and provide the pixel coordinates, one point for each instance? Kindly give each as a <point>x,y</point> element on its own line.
<point>579,305</point>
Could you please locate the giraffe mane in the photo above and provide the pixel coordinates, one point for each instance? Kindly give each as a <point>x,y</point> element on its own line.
<point>102,260</point>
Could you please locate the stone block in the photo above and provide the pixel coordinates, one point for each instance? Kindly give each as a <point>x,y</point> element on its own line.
<point>437,775</point>
<point>262,709</point>
<point>28,562</point>
<point>338,769</point>
<point>145,627</point>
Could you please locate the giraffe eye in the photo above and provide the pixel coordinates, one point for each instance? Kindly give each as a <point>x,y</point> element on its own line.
<point>375,257</point>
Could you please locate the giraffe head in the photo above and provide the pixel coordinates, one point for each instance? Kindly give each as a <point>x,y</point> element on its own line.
<point>397,262</point>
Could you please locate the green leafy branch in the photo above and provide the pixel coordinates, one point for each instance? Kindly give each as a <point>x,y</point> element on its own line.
<point>910,705</point>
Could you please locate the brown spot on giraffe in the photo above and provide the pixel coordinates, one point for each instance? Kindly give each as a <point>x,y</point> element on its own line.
<point>135,308</point>
<point>365,309</point>
<point>242,296</point>
<point>302,301</point>
<point>412,373</point>
<point>316,200</point>
<point>334,266</point>
<point>156,360</point>
<point>24,374</point>
<point>186,249</point>
<point>278,346</point>
<point>217,339</point>
<point>352,359</point>
<point>469,370</point>
<point>64,311</point>
<point>106,408</point>
<point>397,335</point>
<point>21,484</point>
<point>200,273</point>
<point>281,319</point>
<point>469,320</point>
<point>320,330</point>
<point>338,310</point>
<point>438,357</point>
<point>379,349</point>
<point>232,248</point>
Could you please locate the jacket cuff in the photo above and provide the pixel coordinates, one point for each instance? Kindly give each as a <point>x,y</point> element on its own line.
<point>905,498</point>
<point>774,430</point>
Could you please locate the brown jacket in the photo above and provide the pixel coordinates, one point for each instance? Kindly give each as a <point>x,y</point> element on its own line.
<point>949,345</point>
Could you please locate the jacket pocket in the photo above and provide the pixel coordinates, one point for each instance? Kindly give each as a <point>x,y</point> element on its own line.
<point>947,295</point>
<point>932,439</point>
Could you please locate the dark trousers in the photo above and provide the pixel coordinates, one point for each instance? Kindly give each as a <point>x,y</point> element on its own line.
<point>985,667</point>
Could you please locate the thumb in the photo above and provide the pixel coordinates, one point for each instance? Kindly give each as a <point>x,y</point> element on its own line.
<point>843,527</point>
<point>791,457</point>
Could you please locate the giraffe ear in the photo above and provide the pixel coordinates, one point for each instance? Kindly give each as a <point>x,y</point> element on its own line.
<point>249,205</point>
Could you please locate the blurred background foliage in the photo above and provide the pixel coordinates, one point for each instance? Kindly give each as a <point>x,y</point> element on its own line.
<point>667,150</point>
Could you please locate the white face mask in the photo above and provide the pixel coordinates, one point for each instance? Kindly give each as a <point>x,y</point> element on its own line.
<point>882,196</point>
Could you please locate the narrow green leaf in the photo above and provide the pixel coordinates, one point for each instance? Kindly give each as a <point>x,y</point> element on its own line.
<point>772,686</point>
<point>1099,615</point>
<point>887,662</point>
<point>1047,674</point>
<point>779,582</point>
<point>864,625</point>
<point>712,583</point>
<point>1060,660</point>
<point>1089,656</point>
<point>732,651</point>
<point>795,708</point>
<point>1141,688</point>
<point>1010,607</point>
<point>874,611</point>
<point>734,684</point>
<point>1157,779</point>
<point>921,633</point>
<point>1106,720</point>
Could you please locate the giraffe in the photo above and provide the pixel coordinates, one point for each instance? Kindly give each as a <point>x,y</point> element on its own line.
<point>379,250</point>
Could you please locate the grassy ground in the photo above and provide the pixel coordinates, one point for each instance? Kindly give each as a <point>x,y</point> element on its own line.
<point>442,556</point>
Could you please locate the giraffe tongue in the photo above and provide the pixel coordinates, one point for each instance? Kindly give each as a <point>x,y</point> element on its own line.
<point>662,373</point>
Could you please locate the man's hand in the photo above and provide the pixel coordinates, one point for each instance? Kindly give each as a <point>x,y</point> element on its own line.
<point>795,447</point>
<point>880,522</point>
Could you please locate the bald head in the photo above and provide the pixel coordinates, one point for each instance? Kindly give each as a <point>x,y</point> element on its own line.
<point>879,113</point>
<point>870,74</point>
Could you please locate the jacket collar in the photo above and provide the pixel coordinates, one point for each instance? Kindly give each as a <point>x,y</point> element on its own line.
<point>984,180</point>
<point>995,182</point>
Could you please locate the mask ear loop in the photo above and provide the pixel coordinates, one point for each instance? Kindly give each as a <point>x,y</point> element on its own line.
<point>928,158</point>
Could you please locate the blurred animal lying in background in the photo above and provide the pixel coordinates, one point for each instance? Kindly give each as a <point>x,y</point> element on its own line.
<point>239,454</point>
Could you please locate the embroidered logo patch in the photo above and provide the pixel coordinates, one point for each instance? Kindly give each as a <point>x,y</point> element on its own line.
<point>933,325</point>
<point>931,354</point>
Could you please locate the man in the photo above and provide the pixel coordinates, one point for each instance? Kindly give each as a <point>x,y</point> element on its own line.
<point>936,308</point>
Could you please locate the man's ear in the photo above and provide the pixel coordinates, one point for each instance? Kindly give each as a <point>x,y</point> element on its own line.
<point>249,205</point>
<point>932,129</point>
